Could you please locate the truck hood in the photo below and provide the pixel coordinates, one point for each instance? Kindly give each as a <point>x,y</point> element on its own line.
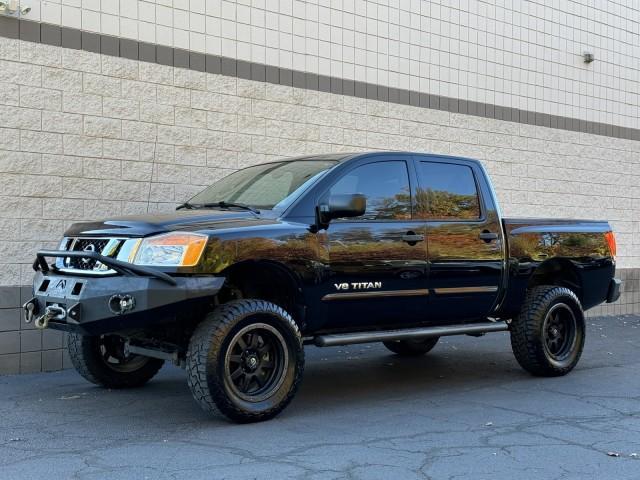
<point>143,225</point>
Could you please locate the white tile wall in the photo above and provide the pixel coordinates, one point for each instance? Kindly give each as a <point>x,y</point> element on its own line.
<point>521,53</point>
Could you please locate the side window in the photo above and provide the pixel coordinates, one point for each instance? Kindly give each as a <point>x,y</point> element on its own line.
<point>386,186</point>
<point>447,192</point>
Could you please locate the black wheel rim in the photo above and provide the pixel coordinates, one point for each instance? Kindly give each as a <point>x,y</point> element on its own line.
<point>256,362</point>
<point>114,355</point>
<point>560,328</point>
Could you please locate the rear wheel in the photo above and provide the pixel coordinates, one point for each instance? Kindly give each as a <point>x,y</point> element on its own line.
<point>245,360</point>
<point>412,348</point>
<point>548,335</point>
<point>104,361</point>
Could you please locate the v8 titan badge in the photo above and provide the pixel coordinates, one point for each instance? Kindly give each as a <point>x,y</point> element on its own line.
<point>357,286</point>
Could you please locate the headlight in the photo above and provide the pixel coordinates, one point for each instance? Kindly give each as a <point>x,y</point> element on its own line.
<point>171,250</point>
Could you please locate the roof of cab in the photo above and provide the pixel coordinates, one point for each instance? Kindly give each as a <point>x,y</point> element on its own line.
<point>343,157</point>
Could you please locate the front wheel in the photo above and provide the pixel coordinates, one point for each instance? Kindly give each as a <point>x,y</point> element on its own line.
<point>548,335</point>
<point>245,360</point>
<point>103,360</point>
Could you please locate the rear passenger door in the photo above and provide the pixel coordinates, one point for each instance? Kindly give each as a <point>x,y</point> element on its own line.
<point>464,238</point>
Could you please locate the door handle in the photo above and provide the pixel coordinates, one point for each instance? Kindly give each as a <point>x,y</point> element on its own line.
<point>488,236</point>
<point>412,238</point>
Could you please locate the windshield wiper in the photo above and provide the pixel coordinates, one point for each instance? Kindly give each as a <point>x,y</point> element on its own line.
<point>243,206</point>
<point>185,205</point>
<point>222,204</point>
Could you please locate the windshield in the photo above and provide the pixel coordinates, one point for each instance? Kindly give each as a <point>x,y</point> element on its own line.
<point>270,186</point>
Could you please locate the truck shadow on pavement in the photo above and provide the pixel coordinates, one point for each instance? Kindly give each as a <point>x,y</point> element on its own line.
<point>377,375</point>
<point>338,378</point>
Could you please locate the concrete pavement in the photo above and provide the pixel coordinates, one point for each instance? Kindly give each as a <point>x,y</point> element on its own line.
<point>466,410</point>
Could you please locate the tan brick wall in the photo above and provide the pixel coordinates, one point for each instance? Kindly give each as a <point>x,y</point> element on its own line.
<point>87,135</point>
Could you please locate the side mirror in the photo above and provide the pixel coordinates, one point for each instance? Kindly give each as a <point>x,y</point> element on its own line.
<point>341,206</point>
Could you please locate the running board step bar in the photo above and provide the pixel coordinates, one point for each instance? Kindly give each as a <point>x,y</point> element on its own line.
<point>409,334</point>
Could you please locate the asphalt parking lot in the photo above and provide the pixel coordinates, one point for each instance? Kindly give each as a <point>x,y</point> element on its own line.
<point>466,410</point>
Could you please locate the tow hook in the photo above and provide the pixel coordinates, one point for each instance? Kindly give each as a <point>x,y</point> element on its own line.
<point>52,312</point>
<point>29,310</point>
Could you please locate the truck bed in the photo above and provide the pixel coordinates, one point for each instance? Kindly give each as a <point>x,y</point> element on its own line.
<point>551,245</point>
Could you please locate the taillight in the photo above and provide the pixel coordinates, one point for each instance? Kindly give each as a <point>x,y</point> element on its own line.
<point>611,242</point>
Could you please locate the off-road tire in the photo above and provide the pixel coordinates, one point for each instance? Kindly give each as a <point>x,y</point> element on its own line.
<point>207,377</point>
<point>86,356</point>
<point>411,348</point>
<point>529,337</point>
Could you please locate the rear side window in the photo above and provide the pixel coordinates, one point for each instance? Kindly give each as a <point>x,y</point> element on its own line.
<point>386,186</point>
<point>447,192</point>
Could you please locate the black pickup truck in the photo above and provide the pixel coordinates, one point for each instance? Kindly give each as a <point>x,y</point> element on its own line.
<point>398,248</point>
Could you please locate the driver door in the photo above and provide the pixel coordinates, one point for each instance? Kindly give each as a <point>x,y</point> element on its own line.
<point>377,262</point>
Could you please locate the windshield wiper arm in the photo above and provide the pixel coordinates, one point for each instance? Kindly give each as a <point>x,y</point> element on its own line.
<point>243,206</point>
<point>185,205</point>
<point>222,204</point>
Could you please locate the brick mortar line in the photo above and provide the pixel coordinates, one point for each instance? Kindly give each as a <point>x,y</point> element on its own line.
<point>55,35</point>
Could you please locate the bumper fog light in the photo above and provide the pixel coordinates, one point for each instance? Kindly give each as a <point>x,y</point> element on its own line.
<point>120,303</point>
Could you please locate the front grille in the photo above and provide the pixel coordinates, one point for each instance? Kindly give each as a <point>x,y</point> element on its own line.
<point>104,246</point>
<point>86,245</point>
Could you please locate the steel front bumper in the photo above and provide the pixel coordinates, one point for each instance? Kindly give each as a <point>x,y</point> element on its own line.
<point>97,305</point>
